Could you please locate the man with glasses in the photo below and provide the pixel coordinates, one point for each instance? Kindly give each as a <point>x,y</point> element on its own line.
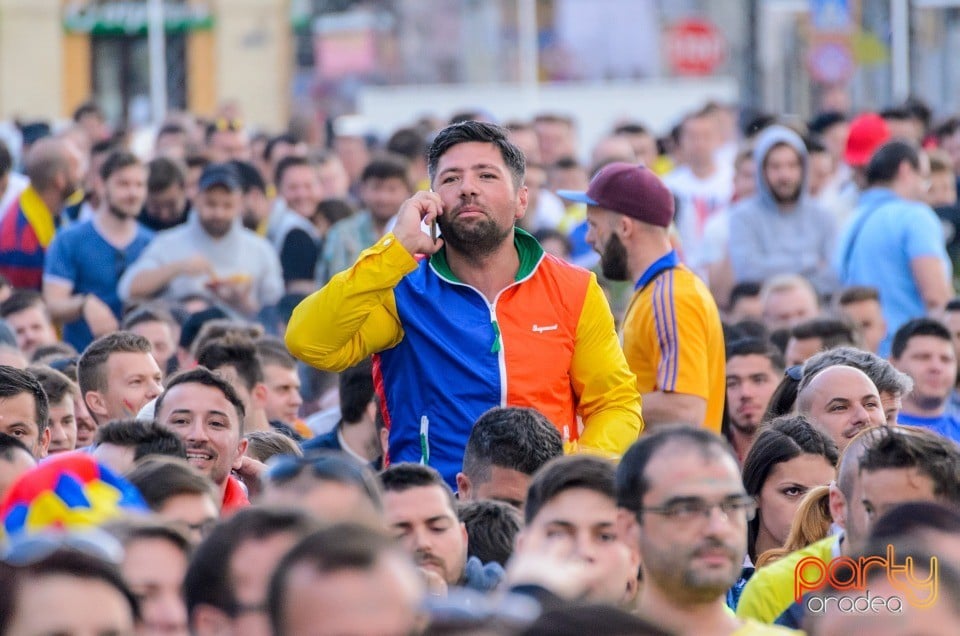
<point>913,275</point>
<point>689,509</point>
<point>85,261</point>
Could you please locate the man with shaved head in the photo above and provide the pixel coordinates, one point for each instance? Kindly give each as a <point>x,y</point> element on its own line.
<point>841,401</point>
<point>55,168</point>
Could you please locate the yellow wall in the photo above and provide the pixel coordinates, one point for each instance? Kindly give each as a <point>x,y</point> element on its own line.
<point>254,58</point>
<point>31,59</point>
<point>77,71</point>
<point>247,57</point>
<point>201,71</point>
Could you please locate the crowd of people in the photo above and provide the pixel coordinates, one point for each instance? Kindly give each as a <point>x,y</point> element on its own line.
<point>475,378</point>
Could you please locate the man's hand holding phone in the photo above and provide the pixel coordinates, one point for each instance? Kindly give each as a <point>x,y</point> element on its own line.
<point>423,207</point>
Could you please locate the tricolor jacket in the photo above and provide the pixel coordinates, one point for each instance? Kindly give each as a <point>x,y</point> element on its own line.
<point>446,354</point>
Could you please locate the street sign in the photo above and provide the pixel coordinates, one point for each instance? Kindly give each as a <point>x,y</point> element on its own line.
<point>695,47</point>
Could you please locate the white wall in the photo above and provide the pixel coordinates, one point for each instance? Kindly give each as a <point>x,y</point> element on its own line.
<point>596,107</point>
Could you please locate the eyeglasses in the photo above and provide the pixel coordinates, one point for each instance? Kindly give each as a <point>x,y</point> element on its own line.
<point>99,544</point>
<point>691,510</point>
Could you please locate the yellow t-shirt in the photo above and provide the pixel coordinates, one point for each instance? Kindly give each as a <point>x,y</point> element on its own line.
<point>769,592</point>
<point>673,339</point>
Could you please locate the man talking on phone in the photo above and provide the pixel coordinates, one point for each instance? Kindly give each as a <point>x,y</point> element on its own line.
<point>485,319</point>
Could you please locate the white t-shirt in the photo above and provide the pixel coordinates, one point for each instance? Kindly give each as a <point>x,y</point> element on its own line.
<point>697,201</point>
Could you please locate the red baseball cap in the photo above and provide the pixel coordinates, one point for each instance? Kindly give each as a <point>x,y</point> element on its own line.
<point>867,133</point>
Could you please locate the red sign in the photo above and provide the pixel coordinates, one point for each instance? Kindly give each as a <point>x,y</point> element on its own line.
<point>695,47</point>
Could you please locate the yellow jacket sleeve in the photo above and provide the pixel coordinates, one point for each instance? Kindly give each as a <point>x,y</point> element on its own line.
<point>355,314</point>
<point>609,402</point>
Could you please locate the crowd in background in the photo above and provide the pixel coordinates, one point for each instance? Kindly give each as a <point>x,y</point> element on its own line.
<point>170,463</point>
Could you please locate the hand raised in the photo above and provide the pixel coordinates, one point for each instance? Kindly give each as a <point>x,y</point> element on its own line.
<point>423,207</point>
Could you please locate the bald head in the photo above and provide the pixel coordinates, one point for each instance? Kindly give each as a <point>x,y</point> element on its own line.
<point>841,401</point>
<point>53,163</point>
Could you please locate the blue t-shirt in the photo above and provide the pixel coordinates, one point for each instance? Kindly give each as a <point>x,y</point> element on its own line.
<point>946,424</point>
<point>877,246</point>
<point>81,257</point>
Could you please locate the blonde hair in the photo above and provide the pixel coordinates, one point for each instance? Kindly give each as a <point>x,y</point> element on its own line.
<point>810,524</point>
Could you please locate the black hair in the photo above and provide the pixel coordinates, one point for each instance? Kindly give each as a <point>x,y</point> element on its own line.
<point>118,160</point>
<point>387,166</point>
<point>744,289</point>
<point>406,475</point>
<point>356,390</point>
<point>756,347</point>
<point>929,453</point>
<point>14,382</point>
<point>784,439</point>
<point>285,164</point>
<point>566,473</point>
<point>159,478</point>
<point>233,350</point>
<point>885,161</point>
<point>21,300</point>
<point>409,143</point>
<point>517,438</point>
<point>914,517</point>
<point>831,332</point>
<point>250,177</point>
<point>492,529</point>
<point>206,377</point>
<point>917,327</point>
<point>475,131</point>
<point>273,142</point>
<point>146,437</point>
<point>163,173</point>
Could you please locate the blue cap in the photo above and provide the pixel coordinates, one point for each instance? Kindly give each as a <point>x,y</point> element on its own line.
<point>576,196</point>
<point>220,174</point>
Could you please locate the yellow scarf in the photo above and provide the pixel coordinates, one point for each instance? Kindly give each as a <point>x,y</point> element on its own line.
<point>38,216</point>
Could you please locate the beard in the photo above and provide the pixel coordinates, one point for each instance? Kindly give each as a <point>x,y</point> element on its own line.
<point>700,584</point>
<point>216,228</point>
<point>786,193</point>
<point>613,260</point>
<point>475,239</point>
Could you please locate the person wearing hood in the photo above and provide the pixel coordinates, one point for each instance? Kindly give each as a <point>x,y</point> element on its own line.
<point>781,229</point>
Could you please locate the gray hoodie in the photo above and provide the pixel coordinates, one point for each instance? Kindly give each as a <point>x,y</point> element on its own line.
<point>767,239</point>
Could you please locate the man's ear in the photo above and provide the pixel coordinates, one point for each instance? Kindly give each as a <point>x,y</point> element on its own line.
<point>628,529</point>
<point>208,620</point>
<point>96,405</point>
<point>44,442</point>
<point>463,487</point>
<point>522,199</point>
<point>838,505</point>
<point>259,395</point>
<point>241,449</point>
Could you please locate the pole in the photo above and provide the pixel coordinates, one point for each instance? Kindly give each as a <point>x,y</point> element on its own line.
<point>157,46</point>
<point>900,48</point>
